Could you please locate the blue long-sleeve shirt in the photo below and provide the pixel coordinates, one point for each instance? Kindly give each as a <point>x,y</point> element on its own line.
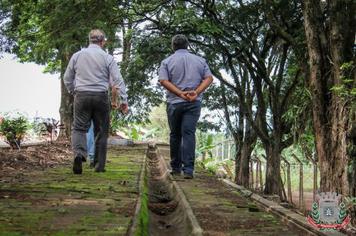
<point>92,69</point>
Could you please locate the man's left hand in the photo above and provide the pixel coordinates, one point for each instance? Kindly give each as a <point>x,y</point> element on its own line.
<point>192,95</point>
<point>114,105</point>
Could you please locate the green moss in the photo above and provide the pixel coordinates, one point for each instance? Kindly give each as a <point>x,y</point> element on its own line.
<point>142,229</point>
<point>56,202</point>
<point>7,233</point>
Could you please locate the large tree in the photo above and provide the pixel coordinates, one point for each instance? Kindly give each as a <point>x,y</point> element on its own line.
<point>246,43</point>
<point>330,36</point>
<point>235,37</point>
<point>49,32</point>
<point>4,16</point>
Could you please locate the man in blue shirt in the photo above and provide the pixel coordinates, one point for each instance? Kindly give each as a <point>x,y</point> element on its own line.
<point>185,76</point>
<point>88,76</point>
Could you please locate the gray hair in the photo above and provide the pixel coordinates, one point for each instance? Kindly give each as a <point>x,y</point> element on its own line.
<point>179,41</point>
<point>96,36</point>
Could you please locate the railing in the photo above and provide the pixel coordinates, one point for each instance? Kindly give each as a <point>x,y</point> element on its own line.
<point>291,169</point>
<point>224,150</point>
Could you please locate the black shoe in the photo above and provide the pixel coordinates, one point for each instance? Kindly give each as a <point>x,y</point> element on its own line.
<point>175,173</point>
<point>188,176</point>
<point>99,170</point>
<point>84,159</point>
<point>77,165</point>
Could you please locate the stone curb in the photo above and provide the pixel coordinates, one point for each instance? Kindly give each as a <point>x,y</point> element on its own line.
<point>196,229</point>
<point>135,219</point>
<point>25,145</point>
<point>288,216</point>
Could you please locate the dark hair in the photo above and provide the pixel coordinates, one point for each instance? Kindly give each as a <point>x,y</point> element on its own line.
<point>179,41</point>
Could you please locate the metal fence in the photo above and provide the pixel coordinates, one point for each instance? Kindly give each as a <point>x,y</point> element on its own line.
<point>224,150</point>
<point>294,175</point>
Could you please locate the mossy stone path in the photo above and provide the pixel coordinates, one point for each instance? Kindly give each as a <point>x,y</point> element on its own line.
<point>56,202</point>
<point>222,211</point>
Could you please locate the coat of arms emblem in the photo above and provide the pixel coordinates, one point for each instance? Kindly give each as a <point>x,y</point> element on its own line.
<point>328,212</point>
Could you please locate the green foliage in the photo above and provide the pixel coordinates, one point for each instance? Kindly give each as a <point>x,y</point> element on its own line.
<point>143,92</point>
<point>37,128</point>
<point>48,32</point>
<point>212,165</point>
<point>259,150</point>
<point>205,144</point>
<point>297,151</point>
<point>137,132</point>
<point>346,88</point>
<point>5,10</point>
<point>116,121</point>
<point>14,129</point>
<point>157,126</point>
<point>133,133</point>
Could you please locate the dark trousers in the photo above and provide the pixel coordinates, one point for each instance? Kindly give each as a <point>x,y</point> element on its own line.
<point>182,119</point>
<point>91,106</point>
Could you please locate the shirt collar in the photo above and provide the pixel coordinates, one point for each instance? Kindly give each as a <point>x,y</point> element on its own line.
<point>93,45</point>
<point>181,51</point>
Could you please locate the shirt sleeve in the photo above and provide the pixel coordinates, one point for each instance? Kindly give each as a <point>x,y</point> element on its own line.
<point>69,75</point>
<point>163,71</point>
<point>206,70</point>
<point>117,80</point>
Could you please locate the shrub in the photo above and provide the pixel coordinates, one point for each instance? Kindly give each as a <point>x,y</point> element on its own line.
<point>14,130</point>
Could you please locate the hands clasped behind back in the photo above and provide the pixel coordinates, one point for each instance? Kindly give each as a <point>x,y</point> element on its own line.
<point>189,96</point>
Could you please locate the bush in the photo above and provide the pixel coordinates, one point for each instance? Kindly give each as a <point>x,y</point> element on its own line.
<point>14,130</point>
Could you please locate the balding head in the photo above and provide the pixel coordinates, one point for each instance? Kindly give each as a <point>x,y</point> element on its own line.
<point>179,41</point>
<point>96,36</point>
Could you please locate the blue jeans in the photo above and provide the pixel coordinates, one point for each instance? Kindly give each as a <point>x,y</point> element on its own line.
<point>182,119</point>
<point>91,142</point>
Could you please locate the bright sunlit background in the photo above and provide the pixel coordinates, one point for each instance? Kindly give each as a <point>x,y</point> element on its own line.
<point>25,88</point>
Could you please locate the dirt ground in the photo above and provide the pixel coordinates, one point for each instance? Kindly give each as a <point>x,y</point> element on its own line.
<point>38,157</point>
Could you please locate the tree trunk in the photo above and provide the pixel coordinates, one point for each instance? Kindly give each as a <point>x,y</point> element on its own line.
<point>248,143</point>
<point>126,46</point>
<point>352,153</point>
<point>243,172</point>
<point>352,165</point>
<point>238,150</point>
<point>329,46</point>
<point>66,108</point>
<point>273,171</point>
